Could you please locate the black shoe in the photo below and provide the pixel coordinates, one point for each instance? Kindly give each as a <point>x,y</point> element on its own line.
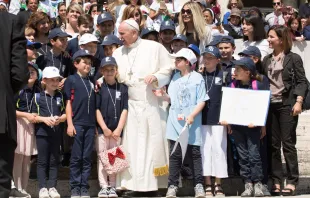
<point>16,194</point>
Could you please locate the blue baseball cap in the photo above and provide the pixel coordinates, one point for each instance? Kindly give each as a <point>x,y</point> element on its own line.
<point>213,51</point>
<point>246,62</point>
<point>251,51</point>
<point>167,25</point>
<point>109,60</point>
<point>111,39</point>
<point>105,16</point>
<point>215,40</point>
<point>36,45</point>
<point>146,31</point>
<point>36,67</point>
<point>195,49</point>
<point>180,37</point>
<point>57,32</point>
<point>227,39</point>
<point>81,53</point>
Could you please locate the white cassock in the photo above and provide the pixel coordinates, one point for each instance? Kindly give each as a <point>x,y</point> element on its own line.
<point>144,133</point>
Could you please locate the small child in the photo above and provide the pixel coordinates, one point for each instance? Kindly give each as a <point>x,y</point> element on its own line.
<point>29,33</point>
<point>214,136</point>
<point>81,120</point>
<point>179,41</point>
<point>187,95</point>
<point>111,113</point>
<point>110,43</point>
<point>49,107</point>
<point>105,25</point>
<point>26,142</point>
<point>31,48</point>
<point>56,57</point>
<point>166,34</point>
<point>247,138</point>
<point>149,34</point>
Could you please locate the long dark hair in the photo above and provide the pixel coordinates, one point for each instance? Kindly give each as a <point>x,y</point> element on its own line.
<point>258,27</point>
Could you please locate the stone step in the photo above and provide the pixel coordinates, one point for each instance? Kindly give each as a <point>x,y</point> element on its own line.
<point>231,186</point>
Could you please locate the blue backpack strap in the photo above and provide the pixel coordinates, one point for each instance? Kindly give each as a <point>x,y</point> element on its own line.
<point>254,85</point>
<point>36,100</point>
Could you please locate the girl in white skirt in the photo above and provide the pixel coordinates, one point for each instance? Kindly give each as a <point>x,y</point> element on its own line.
<point>214,136</point>
<point>26,142</point>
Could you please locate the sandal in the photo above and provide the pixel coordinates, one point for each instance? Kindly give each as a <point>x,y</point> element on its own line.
<point>290,192</point>
<point>209,191</point>
<point>275,191</point>
<point>218,191</point>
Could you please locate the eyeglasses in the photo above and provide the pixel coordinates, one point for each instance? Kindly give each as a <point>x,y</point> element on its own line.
<point>276,3</point>
<point>186,11</point>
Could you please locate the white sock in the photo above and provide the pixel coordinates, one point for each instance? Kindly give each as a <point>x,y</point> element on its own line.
<point>12,184</point>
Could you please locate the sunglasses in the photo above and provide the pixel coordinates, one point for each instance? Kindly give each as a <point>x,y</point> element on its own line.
<point>183,11</point>
<point>276,3</point>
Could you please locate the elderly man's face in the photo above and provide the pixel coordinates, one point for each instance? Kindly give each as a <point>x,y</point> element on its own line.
<point>127,35</point>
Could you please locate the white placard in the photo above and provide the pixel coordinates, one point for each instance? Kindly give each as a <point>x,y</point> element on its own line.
<point>244,106</point>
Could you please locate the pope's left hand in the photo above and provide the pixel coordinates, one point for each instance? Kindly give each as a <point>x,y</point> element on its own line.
<point>150,79</point>
<point>189,119</point>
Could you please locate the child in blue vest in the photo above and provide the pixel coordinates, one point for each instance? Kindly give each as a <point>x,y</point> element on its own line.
<point>187,95</point>
<point>81,120</point>
<point>26,141</point>
<point>49,107</point>
<point>111,111</point>
<point>247,138</point>
<point>214,136</point>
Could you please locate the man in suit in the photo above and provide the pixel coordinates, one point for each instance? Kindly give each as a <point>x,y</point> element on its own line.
<point>14,75</point>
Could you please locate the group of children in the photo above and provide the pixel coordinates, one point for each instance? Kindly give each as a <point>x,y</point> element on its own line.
<point>64,92</point>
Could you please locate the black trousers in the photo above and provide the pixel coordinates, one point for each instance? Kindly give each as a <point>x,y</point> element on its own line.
<point>7,149</point>
<point>248,146</point>
<point>48,160</point>
<point>282,126</point>
<point>264,156</point>
<point>175,163</point>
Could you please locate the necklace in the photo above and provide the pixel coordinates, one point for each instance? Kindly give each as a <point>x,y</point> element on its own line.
<point>114,102</point>
<point>44,52</point>
<point>211,82</point>
<point>88,92</point>
<point>50,110</point>
<point>29,107</point>
<point>130,73</point>
<point>60,64</point>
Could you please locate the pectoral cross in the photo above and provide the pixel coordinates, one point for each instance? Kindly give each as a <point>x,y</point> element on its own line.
<point>130,73</point>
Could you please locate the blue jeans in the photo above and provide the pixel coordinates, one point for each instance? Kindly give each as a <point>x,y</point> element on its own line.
<point>80,162</point>
<point>48,160</point>
<point>247,142</point>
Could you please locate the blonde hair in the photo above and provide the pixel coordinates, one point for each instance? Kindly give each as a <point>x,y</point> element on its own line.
<point>198,20</point>
<point>29,30</point>
<point>76,7</point>
<point>129,12</point>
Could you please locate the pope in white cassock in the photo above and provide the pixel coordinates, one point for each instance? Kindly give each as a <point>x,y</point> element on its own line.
<point>143,66</point>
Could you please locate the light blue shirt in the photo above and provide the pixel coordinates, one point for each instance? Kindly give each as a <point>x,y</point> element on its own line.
<point>185,93</point>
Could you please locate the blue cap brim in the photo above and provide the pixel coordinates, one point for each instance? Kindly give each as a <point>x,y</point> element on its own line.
<point>175,39</point>
<point>62,34</point>
<point>106,64</point>
<point>167,28</point>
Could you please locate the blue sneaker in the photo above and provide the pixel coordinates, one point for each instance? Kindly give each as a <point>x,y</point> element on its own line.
<point>84,193</point>
<point>76,193</point>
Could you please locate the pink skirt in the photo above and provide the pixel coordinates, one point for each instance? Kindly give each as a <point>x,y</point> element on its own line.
<point>26,141</point>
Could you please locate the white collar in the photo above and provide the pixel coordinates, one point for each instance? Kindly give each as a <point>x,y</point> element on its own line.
<point>135,44</point>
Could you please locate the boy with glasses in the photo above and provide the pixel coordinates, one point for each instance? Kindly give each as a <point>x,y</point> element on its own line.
<point>276,17</point>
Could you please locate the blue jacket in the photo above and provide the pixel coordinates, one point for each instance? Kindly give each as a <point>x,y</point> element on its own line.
<point>306,32</point>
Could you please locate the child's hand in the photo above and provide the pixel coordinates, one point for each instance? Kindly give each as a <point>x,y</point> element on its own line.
<point>61,84</point>
<point>66,54</point>
<point>57,120</point>
<point>224,123</point>
<point>107,132</point>
<point>31,118</point>
<point>71,131</point>
<point>189,119</point>
<point>49,121</point>
<point>229,130</point>
<point>251,125</point>
<point>116,134</point>
<point>158,92</point>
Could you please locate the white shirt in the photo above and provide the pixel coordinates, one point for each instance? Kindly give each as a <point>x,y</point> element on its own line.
<point>271,17</point>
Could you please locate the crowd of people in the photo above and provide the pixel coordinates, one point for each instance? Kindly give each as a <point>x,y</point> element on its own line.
<point>132,76</point>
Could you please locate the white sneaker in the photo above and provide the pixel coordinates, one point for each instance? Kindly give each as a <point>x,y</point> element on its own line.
<point>43,193</point>
<point>53,193</point>
<point>25,192</point>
